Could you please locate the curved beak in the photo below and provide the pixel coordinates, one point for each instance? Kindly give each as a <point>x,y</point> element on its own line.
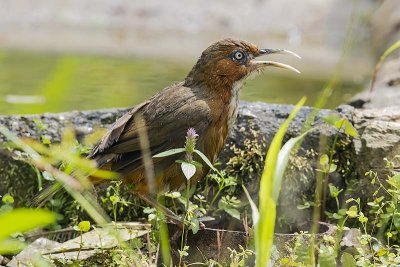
<point>266,51</point>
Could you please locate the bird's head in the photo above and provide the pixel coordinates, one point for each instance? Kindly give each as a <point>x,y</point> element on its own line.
<point>229,61</point>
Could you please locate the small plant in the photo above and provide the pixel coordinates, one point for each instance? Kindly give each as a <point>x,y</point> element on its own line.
<point>7,201</point>
<point>230,205</point>
<point>223,181</point>
<point>188,167</point>
<point>113,196</point>
<point>238,258</point>
<point>82,227</point>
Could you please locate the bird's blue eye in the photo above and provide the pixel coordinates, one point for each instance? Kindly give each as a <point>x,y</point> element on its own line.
<point>238,56</point>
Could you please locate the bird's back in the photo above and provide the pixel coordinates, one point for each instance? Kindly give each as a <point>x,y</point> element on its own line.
<point>167,116</point>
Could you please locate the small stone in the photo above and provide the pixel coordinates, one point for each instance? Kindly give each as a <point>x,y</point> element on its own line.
<point>38,247</point>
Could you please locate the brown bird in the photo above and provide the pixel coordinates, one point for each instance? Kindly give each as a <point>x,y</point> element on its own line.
<point>207,100</point>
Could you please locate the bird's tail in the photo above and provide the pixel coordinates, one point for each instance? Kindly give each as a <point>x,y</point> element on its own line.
<point>44,195</point>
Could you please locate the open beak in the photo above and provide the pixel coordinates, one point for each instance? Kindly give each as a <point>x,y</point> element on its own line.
<point>274,63</point>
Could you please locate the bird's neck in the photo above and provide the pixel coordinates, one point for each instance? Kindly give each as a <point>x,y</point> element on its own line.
<point>224,100</point>
<point>218,87</point>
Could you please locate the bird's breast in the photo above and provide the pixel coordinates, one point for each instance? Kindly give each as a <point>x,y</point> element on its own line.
<point>224,110</point>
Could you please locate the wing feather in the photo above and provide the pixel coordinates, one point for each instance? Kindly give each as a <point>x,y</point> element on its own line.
<point>166,125</point>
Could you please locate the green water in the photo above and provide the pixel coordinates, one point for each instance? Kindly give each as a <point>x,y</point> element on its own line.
<point>63,82</point>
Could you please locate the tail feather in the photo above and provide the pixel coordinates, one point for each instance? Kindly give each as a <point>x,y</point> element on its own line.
<point>44,195</point>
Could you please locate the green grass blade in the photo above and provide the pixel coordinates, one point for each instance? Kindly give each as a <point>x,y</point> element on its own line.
<point>22,220</point>
<point>390,50</point>
<point>282,161</point>
<point>73,187</point>
<point>378,66</point>
<point>264,229</point>
<point>254,209</point>
<point>164,240</point>
<point>169,153</point>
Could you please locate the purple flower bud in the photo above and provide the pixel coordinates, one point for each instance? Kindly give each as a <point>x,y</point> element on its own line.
<point>191,133</point>
<point>190,144</point>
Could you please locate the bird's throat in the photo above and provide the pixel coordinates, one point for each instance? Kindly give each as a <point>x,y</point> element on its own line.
<point>234,104</point>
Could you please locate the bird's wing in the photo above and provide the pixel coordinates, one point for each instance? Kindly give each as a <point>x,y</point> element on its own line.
<point>115,132</point>
<point>167,117</point>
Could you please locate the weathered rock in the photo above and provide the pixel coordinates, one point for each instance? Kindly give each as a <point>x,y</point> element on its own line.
<point>266,117</point>
<point>90,243</point>
<point>386,90</point>
<point>54,124</point>
<point>82,247</point>
<point>30,254</point>
<point>261,117</point>
<point>379,137</point>
<point>3,260</point>
<point>379,131</point>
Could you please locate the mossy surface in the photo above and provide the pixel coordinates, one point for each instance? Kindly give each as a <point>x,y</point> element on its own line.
<point>18,178</point>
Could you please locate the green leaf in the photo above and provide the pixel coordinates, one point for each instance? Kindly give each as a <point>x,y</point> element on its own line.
<point>348,260</point>
<point>114,199</point>
<point>84,226</point>
<point>229,205</point>
<point>326,256</point>
<point>342,211</point>
<point>23,219</point>
<point>324,160</point>
<point>334,191</point>
<point>382,252</point>
<point>173,194</point>
<point>254,210</point>
<point>304,206</point>
<point>233,212</point>
<point>349,129</point>
<point>195,225</point>
<point>340,123</point>
<point>282,162</point>
<point>188,170</point>
<point>169,152</point>
<point>334,120</point>
<point>362,219</point>
<point>337,216</point>
<point>8,199</point>
<point>332,168</point>
<point>105,174</point>
<point>197,164</point>
<point>394,181</point>
<point>352,212</point>
<point>206,160</point>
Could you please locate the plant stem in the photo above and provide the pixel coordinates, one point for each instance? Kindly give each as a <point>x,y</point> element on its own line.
<point>215,196</point>
<point>80,247</point>
<point>326,174</point>
<point>184,230</point>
